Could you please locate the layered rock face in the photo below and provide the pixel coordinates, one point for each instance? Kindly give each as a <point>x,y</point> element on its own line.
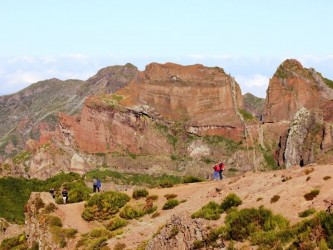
<point>297,114</point>
<point>102,128</point>
<point>206,99</point>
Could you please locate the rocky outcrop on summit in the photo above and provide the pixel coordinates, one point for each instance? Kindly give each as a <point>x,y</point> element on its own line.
<point>206,99</point>
<point>293,87</point>
<point>297,106</point>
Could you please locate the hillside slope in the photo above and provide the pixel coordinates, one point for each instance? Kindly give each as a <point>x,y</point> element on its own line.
<point>254,189</point>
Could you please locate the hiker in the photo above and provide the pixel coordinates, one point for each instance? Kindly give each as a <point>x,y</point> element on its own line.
<point>94,181</point>
<point>221,165</point>
<point>52,192</point>
<point>98,184</point>
<point>216,168</point>
<point>64,195</point>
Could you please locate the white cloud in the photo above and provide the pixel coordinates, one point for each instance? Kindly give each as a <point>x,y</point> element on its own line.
<point>256,84</point>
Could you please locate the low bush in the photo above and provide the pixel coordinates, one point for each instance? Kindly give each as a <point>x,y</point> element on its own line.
<point>59,234</point>
<point>170,204</point>
<point>50,208</point>
<point>116,223</point>
<point>170,196</point>
<point>103,205</point>
<point>275,198</point>
<point>156,214</point>
<point>231,200</point>
<point>139,193</point>
<point>130,212</point>
<point>307,212</point>
<point>119,246</point>
<point>18,242</point>
<point>95,239</point>
<point>211,211</point>
<point>192,179</point>
<point>311,195</point>
<point>326,178</point>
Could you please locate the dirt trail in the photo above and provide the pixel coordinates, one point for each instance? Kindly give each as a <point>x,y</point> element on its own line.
<point>71,217</point>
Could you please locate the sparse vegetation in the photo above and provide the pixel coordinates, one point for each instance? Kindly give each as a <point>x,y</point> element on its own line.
<point>59,234</point>
<point>116,223</point>
<point>103,205</point>
<point>307,212</point>
<point>130,212</point>
<point>259,198</point>
<point>134,179</point>
<point>247,116</point>
<point>22,157</point>
<point>192,179</point>
<point>312,194</point>
<point>156,214</point>
<point>211,211</point>
<point>328,82</point>
<point>153,197</point>
<point>18,243</point>
<point>119,246</point>
<point>170,204</point>
<point>95,239</point>
<point>231,200</point>
<point>140,193</point>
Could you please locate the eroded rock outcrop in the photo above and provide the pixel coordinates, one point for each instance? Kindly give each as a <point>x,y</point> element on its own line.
<point>297,116</point>
<point>179,233</point>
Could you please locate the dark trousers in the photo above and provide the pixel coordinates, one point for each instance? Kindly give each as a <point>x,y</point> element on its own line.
<point>94,188</point>
<point>220,174</point>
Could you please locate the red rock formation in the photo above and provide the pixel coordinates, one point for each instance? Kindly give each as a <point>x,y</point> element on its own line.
<point>206,99</point>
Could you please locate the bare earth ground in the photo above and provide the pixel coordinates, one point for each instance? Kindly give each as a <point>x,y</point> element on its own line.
<point>248,186</point>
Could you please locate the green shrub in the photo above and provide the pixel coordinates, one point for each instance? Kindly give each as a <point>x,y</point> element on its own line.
<point>307,212</point>
<point>116,223</point>
<point>139,193</point>
<point>50,208</point>
<point>192,179</point>
<point>211,211</point>
<point>102,206</point>
<point>311,195</point>
<point>275,198</point>
<point>130,212</point>
<point>53,221</point>
<point>170,204</point>
<point>95,239</point>
<point>241,224</point>
<point>231,200</point>
<point>18,242</point>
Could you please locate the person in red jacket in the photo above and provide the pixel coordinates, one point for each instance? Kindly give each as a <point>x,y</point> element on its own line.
<point>222,166</point>
<point>216,168</point>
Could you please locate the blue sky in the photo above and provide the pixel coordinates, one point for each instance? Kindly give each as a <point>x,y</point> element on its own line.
<point>43,39</point>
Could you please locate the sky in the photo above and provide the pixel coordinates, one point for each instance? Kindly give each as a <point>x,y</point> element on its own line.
<point>73,39</point>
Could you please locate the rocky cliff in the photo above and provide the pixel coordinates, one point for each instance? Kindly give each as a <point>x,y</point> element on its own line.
<point>297,118</point>
<point>36,107</point>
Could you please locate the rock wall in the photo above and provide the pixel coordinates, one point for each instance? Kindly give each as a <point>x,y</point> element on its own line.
<point>179,233</point>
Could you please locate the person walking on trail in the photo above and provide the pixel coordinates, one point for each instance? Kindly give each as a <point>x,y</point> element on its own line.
<point>221,165</point>
<point>52,192</point>
<point>98,184</point>
<point>64,195</point>
<point>94,181</point>
<point>216,168</point>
